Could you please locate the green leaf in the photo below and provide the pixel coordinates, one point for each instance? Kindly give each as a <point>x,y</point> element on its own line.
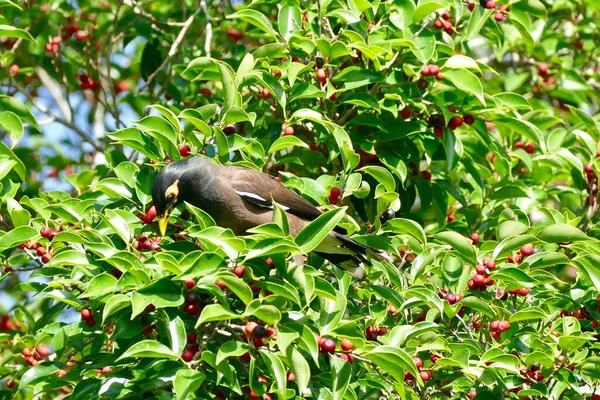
<point>425,8</point>
<point>215,312</point>
<point>187,381</point>
<point>255,18</point>
<point>311,236</point>
<point>119,225</point>
<point>299,367</point>
<point>382,175</point>
<point>393,361</point>
<point>508,192</point>
<point>461,244</point>
<point>13,32</point>
<point>406,226</point>
<point>17,237</point>
<point>341,372</point>
<point>100,285</point>
<point>529,313</point>
<point>284,142</point>
<point>466,81</point>
<point>177,335</point>
<point>39,373</point>
<point>267,313</point>
<point>12,104</point>
<point>162,293</point>
<point>276,366</point>
<point>13,125</point>
<point>232,348</point>
<point>115,303</point>
<point>459,61</point>
<point>149,349</point>
<point>289,20</point>
<point>237,286</point>
<point>558,233</point>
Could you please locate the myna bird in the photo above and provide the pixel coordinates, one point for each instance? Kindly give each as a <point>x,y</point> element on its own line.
<point>240,198</point>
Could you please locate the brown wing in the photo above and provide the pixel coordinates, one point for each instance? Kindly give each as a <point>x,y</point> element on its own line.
<point>260,189</point>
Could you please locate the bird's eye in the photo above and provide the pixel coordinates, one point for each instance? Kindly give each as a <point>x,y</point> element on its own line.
<point>170,197</point>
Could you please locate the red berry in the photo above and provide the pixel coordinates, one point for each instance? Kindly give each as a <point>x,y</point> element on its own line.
<point>192,337</point>
<point>503,326</point>
<point>451,298</point>
<point>446,15</point>
<point>14,69</point>
<point>271,332</point>
<point>494,325</point>
<point>425,375</point>
<point>543,69</point>
<point>192,309</point>
<point>10,384</point>
<point>426,71</point>
<point>122,86</point>
<point>405,113</point>
<point>265,93</point>
<point>426,175</point>
<point>438,24</point>
<point>90,322</point>
<point>418,362</point>
<point>184,150</point>
<point>189,283</point>
<point>469,119</point>
<point>434,357</point>
<point>321,75</point>
<point>86,313</point>
<point>471,6</point>
<point>327,346</point>
<point>249,328</point>
<point>381,331</point>
<point>479,280</point>
<point>270,262</point>
<point>434,70</point>
<point>523,291</point>
<point>527,250</point>
<point>499,17</point>
<point>438,131</point>
<point>392,310</point>
<point>187,356</point>
<point>347,345</point>
<point>347,357</point>
<point>291,377</point>
<point>206,92</point>
<point>490,4</point>
<point>288,131</point>
<point>530,148</point>
<point>335,192</point>
<point>475,237</point>
<point>239,271</point>
<point>234,34</point>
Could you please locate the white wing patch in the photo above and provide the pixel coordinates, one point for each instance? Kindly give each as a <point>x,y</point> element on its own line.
<point>256,199</point>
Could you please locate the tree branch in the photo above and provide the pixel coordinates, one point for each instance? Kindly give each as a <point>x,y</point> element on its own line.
<point>82,134</point>
<point>172,51</point>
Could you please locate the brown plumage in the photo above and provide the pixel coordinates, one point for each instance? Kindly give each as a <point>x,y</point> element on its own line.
<point>241,198</point>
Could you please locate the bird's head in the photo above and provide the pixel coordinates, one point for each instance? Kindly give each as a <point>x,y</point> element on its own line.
<point>175,183</point>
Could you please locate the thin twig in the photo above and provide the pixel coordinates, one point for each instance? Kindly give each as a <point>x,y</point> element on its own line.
<point>172,51</point>
<point>209,32</point>
<point>82,134</point>
<point>56,92</point>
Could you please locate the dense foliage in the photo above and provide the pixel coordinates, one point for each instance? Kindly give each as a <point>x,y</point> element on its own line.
<point>476,124</point>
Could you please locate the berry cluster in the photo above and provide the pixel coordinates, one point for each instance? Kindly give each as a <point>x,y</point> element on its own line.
<point>481,280</point>
<point>35,355</point>
<point>87,315</point>
<point>334,195</point>
<point>88,83</point>
<point>425,374</point>
<point>144,243</point>
<point>444,23</point>
<point>529,147</point>
<point>372,332</point>
<point>497,327</point>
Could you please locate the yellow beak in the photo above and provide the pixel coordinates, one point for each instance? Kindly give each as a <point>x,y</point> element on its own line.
<point>162,223</point>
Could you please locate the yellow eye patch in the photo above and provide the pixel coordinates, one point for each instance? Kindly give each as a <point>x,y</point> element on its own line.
<point>172,191</point>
